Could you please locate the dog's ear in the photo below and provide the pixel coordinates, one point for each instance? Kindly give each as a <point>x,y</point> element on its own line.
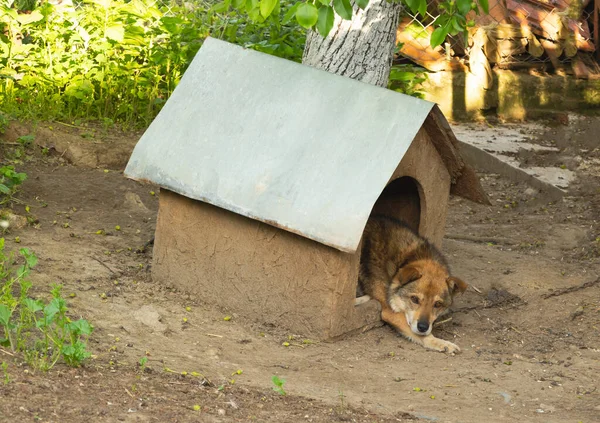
<point>391,268</point>
<point>456,285</point>
<point>406,275</point>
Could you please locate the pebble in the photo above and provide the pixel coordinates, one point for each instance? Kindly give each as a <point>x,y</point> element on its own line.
<point>531,192</point>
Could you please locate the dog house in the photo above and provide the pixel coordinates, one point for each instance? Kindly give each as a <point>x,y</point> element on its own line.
<point>269,171</point>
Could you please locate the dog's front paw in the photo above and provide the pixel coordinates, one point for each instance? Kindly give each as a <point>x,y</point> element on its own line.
<point>437,344</point>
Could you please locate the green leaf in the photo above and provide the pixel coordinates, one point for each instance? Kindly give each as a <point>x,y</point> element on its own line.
<point>34,16</point>
<point>267,6</point>
<point>441,20</point>
<point>456,26</point>
<point>25,286</point>
<point>33,305</point>
<point>402,76</point>
<point>22,271</point>
<point>325,21</point>
<point>362,3</point>
<point>134,35</point>
<point>413,5</point>
<point>12,13</point>
<point>307,15</point>
<point>277,10</point>
<point>172,24</point>
<point>115,32</point>
<point>238,4</point>
<point>26,139</point>
<point>485,5</point>
<point>464,6</point>
<point>253,10</point>
<point>289,15</point>
<point>51,310</point>
<point>4,189</point>
<point>423,7</point>
<point>343,8</point>
<point>81,327</point>
<point>220,7</point>
<point>438,36</point>
<point>5,314</point>
<point>30,258</point>
<point>74,354</point>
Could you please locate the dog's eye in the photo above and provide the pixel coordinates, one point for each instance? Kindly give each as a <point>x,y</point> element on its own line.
<point>438,304</point>
<point>414,299</point>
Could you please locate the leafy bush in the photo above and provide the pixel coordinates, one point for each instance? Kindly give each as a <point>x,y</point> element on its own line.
<point>116,59</point>
<point>42,331</point>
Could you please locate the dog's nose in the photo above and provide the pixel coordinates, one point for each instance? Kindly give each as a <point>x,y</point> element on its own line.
<point>423,326</point>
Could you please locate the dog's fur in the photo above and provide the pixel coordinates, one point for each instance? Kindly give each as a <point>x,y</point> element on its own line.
<point>409,277</point>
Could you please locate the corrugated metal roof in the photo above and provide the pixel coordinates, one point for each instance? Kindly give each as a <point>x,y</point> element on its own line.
<point>295,147</point>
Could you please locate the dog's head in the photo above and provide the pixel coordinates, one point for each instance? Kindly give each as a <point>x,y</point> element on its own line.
<point>423,290</point>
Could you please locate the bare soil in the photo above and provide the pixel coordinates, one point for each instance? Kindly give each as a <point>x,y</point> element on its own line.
<point>530,351</point>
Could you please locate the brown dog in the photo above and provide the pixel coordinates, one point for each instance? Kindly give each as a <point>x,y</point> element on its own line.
<point>409,277</point>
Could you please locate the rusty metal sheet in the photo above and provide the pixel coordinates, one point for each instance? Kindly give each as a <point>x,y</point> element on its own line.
<point>279,142</point>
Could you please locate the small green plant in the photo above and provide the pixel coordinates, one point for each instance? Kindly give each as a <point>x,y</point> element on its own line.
<point>42,331</point>
<point>4,366</point>
<point>342,397</point>
<point>9,183</point>
<point>407,79</point>
<point>26,140</point>
<point>143,362</point>
<point>278,382</point>
<point>107,123</point>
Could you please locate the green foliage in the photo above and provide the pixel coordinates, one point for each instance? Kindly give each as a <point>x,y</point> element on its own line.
<point>343,8</point>
<point>452,17</point>
<point>9,183</point>
<point>307,15</point>
<point>119,60</point>
<point>42,331</point>
<point>407,79</point>
<point>325,20</point>
<point>278,382</point>
<point>26,140</point>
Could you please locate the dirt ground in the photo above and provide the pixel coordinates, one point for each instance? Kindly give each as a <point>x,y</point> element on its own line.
<point>530,351</point>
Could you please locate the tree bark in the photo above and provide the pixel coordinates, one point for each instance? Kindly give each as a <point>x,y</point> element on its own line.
<point>361,48</point>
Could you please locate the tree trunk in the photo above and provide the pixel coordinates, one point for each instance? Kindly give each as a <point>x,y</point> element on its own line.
<point>361,48</point>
